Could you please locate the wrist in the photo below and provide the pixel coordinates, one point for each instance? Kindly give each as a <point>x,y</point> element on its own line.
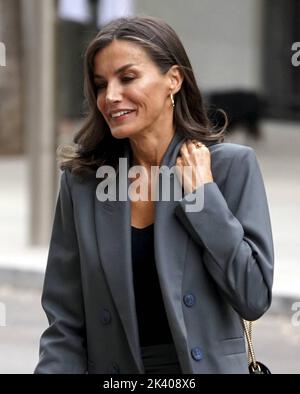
<point>208,179</point>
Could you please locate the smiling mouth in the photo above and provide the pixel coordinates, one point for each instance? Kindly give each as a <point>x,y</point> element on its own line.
<point>120,116</point>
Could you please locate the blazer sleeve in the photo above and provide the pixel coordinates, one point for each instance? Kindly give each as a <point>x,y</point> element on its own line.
<point>234,230</point>
<point>63,343</point>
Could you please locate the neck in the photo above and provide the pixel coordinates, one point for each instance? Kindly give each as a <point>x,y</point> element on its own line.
<point>148,149</point>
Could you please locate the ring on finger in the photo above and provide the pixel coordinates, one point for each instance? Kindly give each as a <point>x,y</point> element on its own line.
<point>198,145</point>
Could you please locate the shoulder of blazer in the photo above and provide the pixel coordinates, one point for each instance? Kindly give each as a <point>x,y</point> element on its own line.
<point>72,179</point>
<point>228,150</point>
<point>233,161</point>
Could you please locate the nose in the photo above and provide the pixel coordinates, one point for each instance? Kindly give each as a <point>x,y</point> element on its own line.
<point>113,94</point>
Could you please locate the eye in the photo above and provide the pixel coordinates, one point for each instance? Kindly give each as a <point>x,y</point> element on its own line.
<point>127,78</point>
<point>99,87</point>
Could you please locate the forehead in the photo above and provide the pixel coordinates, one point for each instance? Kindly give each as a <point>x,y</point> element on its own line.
<point>117,54</point>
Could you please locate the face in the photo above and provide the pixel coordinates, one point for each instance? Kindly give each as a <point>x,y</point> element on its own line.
<point>132,95</point>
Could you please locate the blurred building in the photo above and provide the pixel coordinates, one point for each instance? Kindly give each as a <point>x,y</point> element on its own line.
<point>11,95</point>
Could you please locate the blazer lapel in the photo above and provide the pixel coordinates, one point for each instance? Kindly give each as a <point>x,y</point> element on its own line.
<point>171,241</point>
<point>113,227</point>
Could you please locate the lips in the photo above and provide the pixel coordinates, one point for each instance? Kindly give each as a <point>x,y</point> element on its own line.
<point>119,113</point>
<point>120,116</point>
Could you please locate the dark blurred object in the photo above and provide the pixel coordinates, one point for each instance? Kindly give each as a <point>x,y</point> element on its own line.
<point>73,38</point>
<point>243,109</point>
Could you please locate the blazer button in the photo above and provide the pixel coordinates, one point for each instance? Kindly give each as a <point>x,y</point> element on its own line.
<point>114,369</point>
<point>189,299</point>
<point>105,316</point>
<point>197,353</point>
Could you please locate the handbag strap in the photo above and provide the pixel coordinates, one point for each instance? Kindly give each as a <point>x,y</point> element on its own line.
<point>248,325</point>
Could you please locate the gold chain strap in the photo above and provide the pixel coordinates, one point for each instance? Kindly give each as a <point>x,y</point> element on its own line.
<point>248,333</point>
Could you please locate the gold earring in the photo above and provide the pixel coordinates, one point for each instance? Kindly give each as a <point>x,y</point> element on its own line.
<point>172,100</point>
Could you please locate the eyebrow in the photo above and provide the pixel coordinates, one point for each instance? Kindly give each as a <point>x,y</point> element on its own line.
<point>118,71</point>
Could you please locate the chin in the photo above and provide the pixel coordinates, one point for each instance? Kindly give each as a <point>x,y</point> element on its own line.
<point>120,133</point>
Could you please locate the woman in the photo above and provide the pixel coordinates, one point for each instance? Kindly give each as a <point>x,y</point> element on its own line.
<point>153,285</point>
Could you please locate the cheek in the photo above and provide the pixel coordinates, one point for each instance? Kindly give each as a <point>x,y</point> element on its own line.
<point>151,99</point>
<point>155,95</point>
<point>148,92</point>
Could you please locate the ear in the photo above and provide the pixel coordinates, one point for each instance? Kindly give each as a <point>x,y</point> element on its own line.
<point>175,79</point>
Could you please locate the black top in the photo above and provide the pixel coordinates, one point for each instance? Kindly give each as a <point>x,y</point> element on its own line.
<point>152,320</point>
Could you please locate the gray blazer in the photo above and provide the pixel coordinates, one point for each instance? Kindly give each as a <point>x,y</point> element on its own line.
<point>215,266</point>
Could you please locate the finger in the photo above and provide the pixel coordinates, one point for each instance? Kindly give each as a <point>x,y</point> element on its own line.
<point>198,144</point>
<point>179,168</point>
<point>184,151</point>
<point>179,161</point>
<point>204,148</point>
<point>191,146</point>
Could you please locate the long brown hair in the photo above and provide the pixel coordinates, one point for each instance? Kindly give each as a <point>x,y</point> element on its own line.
<point>94,144</point>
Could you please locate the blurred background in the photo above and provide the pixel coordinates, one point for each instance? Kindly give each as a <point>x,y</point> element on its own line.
<point>242,55</point>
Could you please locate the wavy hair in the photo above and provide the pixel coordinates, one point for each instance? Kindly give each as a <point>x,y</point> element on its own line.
<point>94,144</point>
